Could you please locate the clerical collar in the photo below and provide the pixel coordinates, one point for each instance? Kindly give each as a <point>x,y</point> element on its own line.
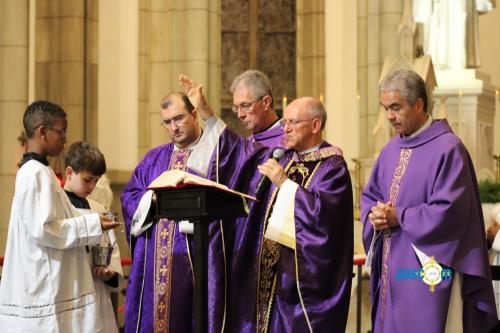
<point>310,150</point>
<point>422,128</point>
<point>33,156</point>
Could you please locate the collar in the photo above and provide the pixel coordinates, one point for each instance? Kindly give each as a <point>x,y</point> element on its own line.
<point>422,128</point>
<point>33,156</point>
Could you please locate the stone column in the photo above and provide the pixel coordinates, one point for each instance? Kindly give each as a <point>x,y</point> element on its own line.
<point>377,25</point>
<point>60,57</point>
<point>182,37</point>
<point>342,126</point>
<point>310,48</point>
<point>14,22</point>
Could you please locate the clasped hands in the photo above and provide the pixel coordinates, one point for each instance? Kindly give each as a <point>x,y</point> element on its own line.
<point>383,216</point>
<point>274,171</point>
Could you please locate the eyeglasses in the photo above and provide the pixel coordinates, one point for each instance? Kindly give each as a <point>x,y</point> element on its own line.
<point>174,121</point>
<point>293,122</point>
<point>60,131</point>
<point>245,106</point>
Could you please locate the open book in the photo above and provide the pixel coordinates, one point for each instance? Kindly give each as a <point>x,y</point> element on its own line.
<point>178,179</point>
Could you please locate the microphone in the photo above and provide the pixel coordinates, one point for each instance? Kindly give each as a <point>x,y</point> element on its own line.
<point>264,181</point>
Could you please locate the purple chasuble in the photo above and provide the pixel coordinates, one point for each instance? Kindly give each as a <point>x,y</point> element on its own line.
<point>321,266</point>
<point>160,290</point>
<point>234,166</point>
<point>273,137</point>
<point>431,181</point>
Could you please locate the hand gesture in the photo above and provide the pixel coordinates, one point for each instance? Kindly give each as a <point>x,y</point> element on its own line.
<point>107,223</point>
<point>195,93</point>
<point>274,171</point>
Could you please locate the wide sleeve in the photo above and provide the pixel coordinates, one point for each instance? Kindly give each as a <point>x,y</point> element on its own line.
<point>448,223</point>
<point>369,197</point>
<point>324,243</point>
<point>133,193</point>
<point>43,210</point>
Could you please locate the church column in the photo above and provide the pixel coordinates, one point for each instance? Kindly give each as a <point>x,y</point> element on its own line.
<point>60,59</point>
<point>310,48</point>
<point>183,37</point>
<point>118,86</point>
<point>14,36</point>
<point>342,126</point>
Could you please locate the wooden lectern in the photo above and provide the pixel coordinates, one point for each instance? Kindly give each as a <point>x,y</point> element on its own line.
<point>200,205</point>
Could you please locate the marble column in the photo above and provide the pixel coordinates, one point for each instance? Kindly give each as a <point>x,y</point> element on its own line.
<point>310,80</point>
<point>14,50</point>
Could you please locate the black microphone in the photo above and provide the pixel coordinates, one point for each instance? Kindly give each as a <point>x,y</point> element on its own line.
<point>264,180</point>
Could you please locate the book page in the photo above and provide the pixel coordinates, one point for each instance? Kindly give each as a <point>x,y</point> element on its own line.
<point>178,179</point>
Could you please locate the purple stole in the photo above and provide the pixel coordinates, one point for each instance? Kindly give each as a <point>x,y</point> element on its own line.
<point>164,245</point>
<point>399,172</point>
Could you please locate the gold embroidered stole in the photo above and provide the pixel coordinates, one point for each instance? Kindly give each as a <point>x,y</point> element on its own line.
<point>164,245</point>
<point>399,172</point>
<point>270,251</point>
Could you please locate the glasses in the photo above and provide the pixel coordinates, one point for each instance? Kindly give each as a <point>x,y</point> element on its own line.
<point>245,106</point>
<point>60,131</point>
<point>293,122</point>
<point>174,121</point>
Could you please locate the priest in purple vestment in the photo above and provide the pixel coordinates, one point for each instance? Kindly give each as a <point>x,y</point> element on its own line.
<point>423,225</point>
<point>254,106</point>
<point>160,291</point>
<point>299,257</point>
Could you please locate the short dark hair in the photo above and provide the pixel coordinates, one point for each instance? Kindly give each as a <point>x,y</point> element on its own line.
<point>41,113</point>
<point>410,85</point>
<point>84,156</point>
<point>167,101</point>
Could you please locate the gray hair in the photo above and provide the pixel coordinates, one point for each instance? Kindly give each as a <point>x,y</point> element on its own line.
<point>408,83</point>
<point>317,109</point>
<point>255,81</point>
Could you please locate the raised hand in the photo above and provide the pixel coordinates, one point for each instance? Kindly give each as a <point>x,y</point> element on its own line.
<point>195,93</point>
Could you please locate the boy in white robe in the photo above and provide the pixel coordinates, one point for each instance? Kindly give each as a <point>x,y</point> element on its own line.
<point>85,165</point>
<point>47,283</point>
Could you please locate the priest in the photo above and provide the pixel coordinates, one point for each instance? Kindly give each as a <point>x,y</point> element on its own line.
<point>421,213</point>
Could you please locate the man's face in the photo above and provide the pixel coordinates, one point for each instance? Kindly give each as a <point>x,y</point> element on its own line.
<point>81,183</point>
<point>299,126</point>
<point>251,109</point>
<point>182,127</point>
<point>404,118</point>
<point>55,137</point>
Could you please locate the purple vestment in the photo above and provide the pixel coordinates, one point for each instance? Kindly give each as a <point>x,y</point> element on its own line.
<point>160,291</point>
<point>431,181</point>
<point>263,294</point>
<point>272,137</point>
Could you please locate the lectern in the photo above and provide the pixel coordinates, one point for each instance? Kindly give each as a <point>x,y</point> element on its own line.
<point>200,205</point>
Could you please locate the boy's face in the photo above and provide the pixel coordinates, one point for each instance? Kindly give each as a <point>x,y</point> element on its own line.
<point>55,137</point>
<point>82,183</point>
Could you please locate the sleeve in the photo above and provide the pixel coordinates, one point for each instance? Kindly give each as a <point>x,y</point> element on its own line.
<point>324,243</point>
<point>369,197</point>
<point>132,195</point>
<point>281,226</point>
<point>451,209</point>
<point>42,213</point>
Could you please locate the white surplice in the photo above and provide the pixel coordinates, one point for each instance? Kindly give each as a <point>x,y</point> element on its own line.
<point>47,284</point>
<point>102,289</point>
